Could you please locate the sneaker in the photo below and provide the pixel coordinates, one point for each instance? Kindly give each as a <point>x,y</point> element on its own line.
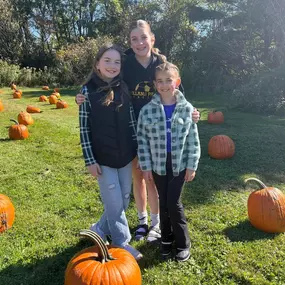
<point>134,252</point>
<point>141,232</point>
<point>182,255</point>
<point>165,250</point>
<point>94,228</point>
<point>154,234</point>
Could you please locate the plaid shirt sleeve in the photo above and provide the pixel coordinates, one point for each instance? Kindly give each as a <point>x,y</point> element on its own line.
<point>144,154</point>
<point>85,130</point>
<point>193,146</point>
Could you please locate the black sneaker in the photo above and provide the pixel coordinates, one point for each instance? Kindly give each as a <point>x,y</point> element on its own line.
<point>141,232</point>
<point>182,255</point>
<point>165,250</point>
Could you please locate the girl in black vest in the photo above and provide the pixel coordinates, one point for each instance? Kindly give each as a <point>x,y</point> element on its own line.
<point>108,140</point>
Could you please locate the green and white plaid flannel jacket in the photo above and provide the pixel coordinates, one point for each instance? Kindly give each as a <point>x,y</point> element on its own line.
<point>151,135</point>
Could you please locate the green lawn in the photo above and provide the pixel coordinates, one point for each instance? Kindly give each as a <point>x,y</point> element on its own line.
<point>55,197</point>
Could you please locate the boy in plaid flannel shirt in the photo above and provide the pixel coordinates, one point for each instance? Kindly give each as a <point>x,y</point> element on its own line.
<point>169,152</point>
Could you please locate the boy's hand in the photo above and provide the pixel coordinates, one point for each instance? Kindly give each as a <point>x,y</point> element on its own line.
<point>94,170</point>
<point>189,175</point>
<point>147,175</point>
<point>79,99</point>
<point>195,116</point>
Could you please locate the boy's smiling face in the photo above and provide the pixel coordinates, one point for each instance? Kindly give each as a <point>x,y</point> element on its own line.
<point>166,82</point>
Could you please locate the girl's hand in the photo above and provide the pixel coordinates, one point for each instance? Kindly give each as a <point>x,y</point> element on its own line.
<point>195,116</point>
<point>79,99</point>
<point>147,175</point>
<point>94,169</point>
<point>189,175</point>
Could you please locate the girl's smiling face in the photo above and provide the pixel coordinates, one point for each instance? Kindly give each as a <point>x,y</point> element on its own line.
<point>166,82</point>
<point>109,65</point>
<point>142,41</point>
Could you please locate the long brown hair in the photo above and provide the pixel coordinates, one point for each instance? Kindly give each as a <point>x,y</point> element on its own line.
<point>142,24</point>
<point>109,98</point>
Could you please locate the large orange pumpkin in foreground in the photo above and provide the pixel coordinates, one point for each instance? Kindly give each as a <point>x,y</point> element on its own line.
<point>215,117</point>
<point>18,131</point>
<point>1,106</point>
<point>25,118</point>
<point>221,147</point>
<point>7,213</point>
<point>266,208</point>
<point>99,265</point>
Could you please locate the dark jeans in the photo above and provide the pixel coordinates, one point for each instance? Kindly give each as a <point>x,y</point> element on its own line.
<point>172,218</point>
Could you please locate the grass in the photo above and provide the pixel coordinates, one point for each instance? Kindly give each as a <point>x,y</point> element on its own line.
<point>55,197</point>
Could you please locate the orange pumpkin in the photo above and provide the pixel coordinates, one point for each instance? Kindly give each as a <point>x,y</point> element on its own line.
<point>7,213</point>
<point>43,98</point>
<point>266,208</point>
<point>1,106</point>
<point>56,94</point>
<point>33,109</point>
<point>13,86</point>
<point>99,265</point>
<point>215,117</point>
<point>221,147</point>
<point>52,99</point>
<point>60,104</point>
<point>45,88</point>
<point>25,118</point>
<point>17,94</point>
<point>56,89</point>
<point>18,131</point>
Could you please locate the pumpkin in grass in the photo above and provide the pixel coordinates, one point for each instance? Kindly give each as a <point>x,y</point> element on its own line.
<point>266,208</point>
<point>18,131</point>
<point>52,99</point>
<point>33,109</point>
<point>215,117</point>
<point>7,213</point>
<point>56,89</point>
<point>43,98</point>
<point>56,94</point>
<point>17,94</point>
<point>221,147</point>
<point>13,86</point>
<point>101,265</point>
<point>25,118</point>
<point>1,106</point>
<point>60,104</point>
<point>45,88</point>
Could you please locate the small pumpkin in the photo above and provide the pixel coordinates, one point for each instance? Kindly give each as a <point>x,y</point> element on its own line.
<point>33,109</point>
<point>1,106</point>
<point>25,118</point>
<point>221,147</point>
<point>45,88</point>
<point>99,265</point>
<point>43,98</point>
<point>17,94</point>
<point>215,117</point>
<point>56,89</point>
<point>13,86</point>
<point>7,213</point>
<point>60,104</point>
<point>266,208</point>
<point>56,94</point>
<point>52,99</point>
<point>18,131</point>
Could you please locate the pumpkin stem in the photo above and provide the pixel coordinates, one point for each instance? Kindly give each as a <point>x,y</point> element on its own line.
<point>103,250</point>
<point>262,185</point>
<point>16,122</point>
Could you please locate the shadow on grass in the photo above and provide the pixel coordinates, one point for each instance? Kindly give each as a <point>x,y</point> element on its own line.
<point>244,231</point>
<point>45,271</point>
<point>5,139</point>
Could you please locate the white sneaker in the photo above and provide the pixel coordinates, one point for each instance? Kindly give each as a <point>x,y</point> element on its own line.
<point>154,234</point>
<point>94,228</point>
<point>134,252</point>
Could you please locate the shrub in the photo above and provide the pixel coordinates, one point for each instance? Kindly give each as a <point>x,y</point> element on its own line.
<point>75,61</point>
<point>8,73</point>
<point>263,94</point>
